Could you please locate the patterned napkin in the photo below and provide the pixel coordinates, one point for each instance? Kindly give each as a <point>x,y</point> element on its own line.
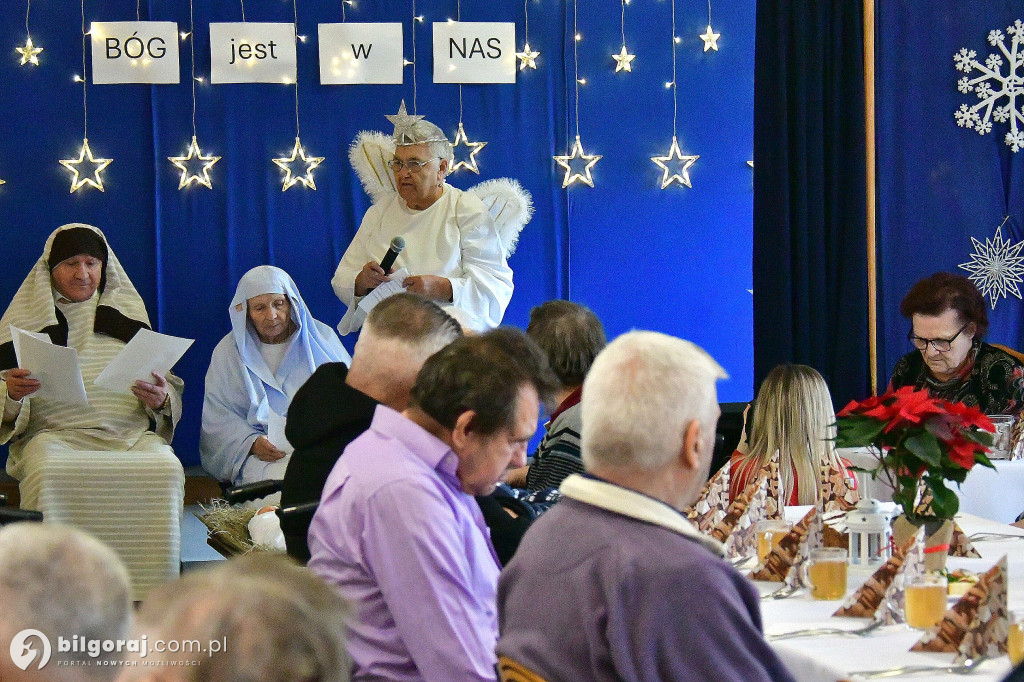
<point>750,501</point>
<point>835,492</point>
<point>865,601</point>
<point>975,625</point>
<point>710,507</point>
<point>742,540</point>
<point>961,545</point>
<point>792,550</point>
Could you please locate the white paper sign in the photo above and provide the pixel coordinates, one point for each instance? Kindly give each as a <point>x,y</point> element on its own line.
<point>134,52</point>
<point>361,53</point>
<point>55,367</point>
<point>249,52</point>
<point>147,352</point>
<point>474,52</point>
<point>275,432</point>
<point>386,290</point>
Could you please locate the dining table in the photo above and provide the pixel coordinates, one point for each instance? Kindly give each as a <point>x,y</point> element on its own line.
<point>830,657</point>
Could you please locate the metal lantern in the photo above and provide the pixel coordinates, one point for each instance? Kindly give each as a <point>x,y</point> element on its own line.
<point>870,534</point>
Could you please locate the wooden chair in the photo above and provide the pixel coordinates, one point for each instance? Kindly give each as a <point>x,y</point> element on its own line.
<point>513,671</point>
<point>1006,349</point>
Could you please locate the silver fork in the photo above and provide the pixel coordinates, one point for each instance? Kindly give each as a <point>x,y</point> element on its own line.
<point>782,592</point>
<point>968,667</point>
<point>815,632</point>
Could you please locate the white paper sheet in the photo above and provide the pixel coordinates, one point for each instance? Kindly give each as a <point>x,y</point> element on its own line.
<point>55,367</point>
<point>147,352</point>
<point>275,432</point>
<point>390,288</point>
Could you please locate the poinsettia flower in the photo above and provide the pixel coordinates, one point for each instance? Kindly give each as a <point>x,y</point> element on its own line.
<point>961,451</point>
<point>913,407</point>
<point>854,407</point>
<point>971,416</point>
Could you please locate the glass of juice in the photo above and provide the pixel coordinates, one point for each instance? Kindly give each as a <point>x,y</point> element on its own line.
<point>926,600</point>
<point>1015,639</point>
<point>769,534</point>
<point>825,572</point>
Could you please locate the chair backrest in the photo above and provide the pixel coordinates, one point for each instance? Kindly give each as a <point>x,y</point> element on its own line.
<point>1006,349</point>
<point>514,671</point>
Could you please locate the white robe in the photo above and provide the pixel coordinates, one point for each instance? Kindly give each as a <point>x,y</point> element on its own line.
<point>454,237</point>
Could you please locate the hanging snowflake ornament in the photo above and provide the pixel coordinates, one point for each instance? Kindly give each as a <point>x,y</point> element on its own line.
<point>996,267</point>
<point>1010,85</point>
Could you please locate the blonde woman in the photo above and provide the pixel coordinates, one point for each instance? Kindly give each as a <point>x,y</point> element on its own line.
<point>793,415</point>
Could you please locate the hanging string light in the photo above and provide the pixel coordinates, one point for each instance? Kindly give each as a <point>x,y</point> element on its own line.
<point>577,163</point>
<point>623,60</point>
<point>86,169</point>
<point>194,166</point>
<point>29,53</point>
<point>465,151</point>
<point>709,37</point>
<point>298,157</point>
<point>528,57</point>
<point>675,165</point>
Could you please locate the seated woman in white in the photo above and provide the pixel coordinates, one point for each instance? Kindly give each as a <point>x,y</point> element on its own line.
<point>274,346</point>
<point>78,294</point>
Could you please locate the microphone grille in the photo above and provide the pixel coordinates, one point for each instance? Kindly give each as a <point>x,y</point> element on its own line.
<point>397,243</point>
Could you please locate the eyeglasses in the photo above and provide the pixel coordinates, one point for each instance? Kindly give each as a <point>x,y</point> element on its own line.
<point>941,345</point>
<point>413,165</point>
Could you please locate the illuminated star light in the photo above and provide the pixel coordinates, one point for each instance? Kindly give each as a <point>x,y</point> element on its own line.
<point>622,60</point>
<point>299,156</point>
<point>80,180</point>
<point>194,159</point>
<point>469,161</point>
<point>403,121</point>
<point>29,53</point>
<point>996,267</point>
<point>577,154</point>
<point>527,58</point>
<point>682,174</point>
<point>710,39</point>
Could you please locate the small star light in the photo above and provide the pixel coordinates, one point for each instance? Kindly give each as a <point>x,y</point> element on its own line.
<point>996,267</point>
<point>574,158</point>
<point>710,39</point>
<point>469,160</point>
<point>92,176</point>
<point>299,156</point>
<point>29,53</point>
<point>623,60</point>
<point>402,121</point>
<point>195,168</point>
<point>527,58</point>
<point>682,174</point>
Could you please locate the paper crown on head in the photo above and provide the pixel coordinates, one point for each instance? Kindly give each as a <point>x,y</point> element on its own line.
<point>411,129</point>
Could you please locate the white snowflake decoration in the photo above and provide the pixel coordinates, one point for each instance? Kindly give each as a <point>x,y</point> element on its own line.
<point>996,267</point>
<point>1011,86</point>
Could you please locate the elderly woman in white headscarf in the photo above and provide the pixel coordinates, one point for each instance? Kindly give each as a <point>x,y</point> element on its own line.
<point>78,294</point>
<point>273,347</point>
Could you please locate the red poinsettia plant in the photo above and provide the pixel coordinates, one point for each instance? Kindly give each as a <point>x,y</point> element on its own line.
<point>916,438</point>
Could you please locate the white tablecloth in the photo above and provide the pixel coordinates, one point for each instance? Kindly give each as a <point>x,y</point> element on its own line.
<point>995,495</point>
<point>816,659</point>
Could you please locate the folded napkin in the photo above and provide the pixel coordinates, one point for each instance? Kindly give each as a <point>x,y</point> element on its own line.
<point>865,601</point>
<point>711,504</point>
<point>774,504</point>
<point>977,624</point>
<point>791,551</point>
<point>742,541</point>
<point>750,501</point>
<point>835,491</point>
<point>961,545</point>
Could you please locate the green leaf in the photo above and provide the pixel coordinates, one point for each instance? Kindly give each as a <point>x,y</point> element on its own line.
<point>945,503</point>
<point>957,475</point>
<point>926,447</point>
<point>982,459</point>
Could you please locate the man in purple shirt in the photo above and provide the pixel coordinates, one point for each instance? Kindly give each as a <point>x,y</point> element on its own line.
<point>614,584</point>
<point>398,530</point>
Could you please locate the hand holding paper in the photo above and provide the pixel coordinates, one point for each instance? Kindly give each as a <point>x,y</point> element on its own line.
<point>54,367</point>
<point>148,353</point>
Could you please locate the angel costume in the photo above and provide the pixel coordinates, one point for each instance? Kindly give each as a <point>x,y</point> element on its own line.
<point>455,237</point>
<point>250,383</point>
<point>98,329</point>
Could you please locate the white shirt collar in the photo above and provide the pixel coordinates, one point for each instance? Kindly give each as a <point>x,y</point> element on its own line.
<point>635,505</point>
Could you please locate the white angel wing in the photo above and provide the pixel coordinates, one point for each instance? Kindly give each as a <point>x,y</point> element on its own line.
<point>369,155</point>
<point>510,206</point>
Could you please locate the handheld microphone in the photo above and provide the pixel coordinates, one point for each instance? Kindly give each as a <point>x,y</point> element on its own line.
<point>397,244</point>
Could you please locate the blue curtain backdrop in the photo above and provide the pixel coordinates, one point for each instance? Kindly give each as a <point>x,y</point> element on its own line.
<point>675,260</point>
<point>810,259</point>
<point>939,184</point>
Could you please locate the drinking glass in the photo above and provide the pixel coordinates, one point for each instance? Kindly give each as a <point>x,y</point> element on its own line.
<point>826,573</point>
<point>769,535</point>
<point>926,600</point>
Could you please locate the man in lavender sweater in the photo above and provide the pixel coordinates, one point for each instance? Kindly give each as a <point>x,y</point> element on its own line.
<point>614,583</point>
<point>398,531</point>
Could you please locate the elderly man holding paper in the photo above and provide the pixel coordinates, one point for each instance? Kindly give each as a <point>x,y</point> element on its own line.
<point>79,296</point>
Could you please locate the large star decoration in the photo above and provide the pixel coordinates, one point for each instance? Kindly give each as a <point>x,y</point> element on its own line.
<point>623,60</point>
<point>527,58</point>
<point>195,168</point>
<point>577,155</point>
<point>996,267</point>
<point>710,39</point>
<point>299,156</point>
<point>29,53</point>
<point>403,121</point>
<point>467,161</point>
<point>92,177</point>
<point>682,173</point>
